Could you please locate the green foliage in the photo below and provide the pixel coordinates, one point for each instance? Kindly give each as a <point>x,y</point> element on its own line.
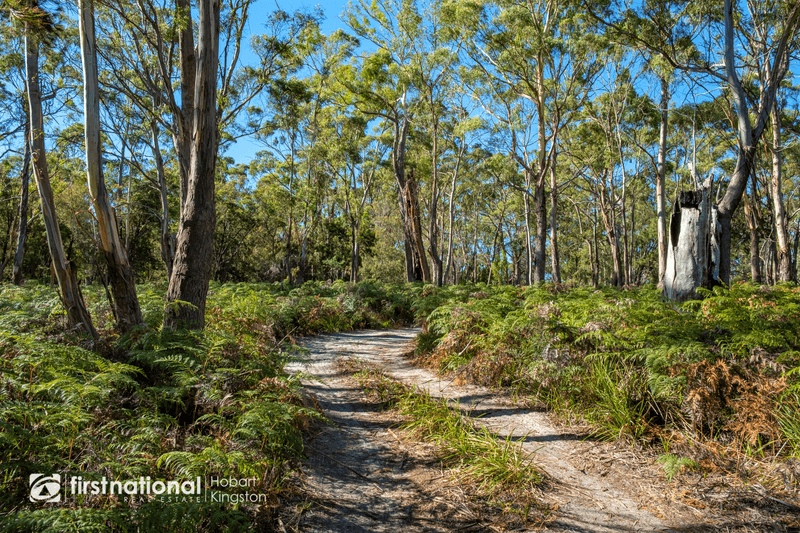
<point>618,359</point>
<point>161,403</point>
<point>674,464</point>
<point>498,465</point>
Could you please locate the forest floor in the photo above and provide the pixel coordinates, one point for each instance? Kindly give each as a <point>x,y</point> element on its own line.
<point>364,474</point>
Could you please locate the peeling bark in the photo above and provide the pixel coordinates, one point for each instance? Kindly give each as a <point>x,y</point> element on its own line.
<point>123,286</point>
<point>78,317</point>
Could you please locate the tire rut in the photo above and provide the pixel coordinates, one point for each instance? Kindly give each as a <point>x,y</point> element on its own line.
<point>372,495</point>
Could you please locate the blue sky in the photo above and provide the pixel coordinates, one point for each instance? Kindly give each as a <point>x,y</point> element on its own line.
<point>245,149</point>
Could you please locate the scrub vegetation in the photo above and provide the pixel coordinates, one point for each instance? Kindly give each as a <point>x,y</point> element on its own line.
<point>720,372</point>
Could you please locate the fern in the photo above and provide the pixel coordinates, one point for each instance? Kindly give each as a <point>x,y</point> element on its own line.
<point>674,464</point>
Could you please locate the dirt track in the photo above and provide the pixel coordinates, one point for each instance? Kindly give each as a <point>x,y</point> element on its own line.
<point>361,477</point>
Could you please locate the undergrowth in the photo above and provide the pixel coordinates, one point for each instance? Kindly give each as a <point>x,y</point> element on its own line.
<point>171,405</point>
<point>628,363</point>
<point>175,405</point>
<point>503,474</point>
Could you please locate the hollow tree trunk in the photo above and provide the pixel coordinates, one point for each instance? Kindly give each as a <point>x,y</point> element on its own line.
<point>78,317</point>
<point>123,284</point>
<point>693,254</point>
<point>195,242</point>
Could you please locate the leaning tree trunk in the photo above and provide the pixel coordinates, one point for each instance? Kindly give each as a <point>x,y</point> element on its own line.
<point>22,231</point>
<point>167,239</point>
<point>123,284</point>
<point>191,269</point>
<point>693,253</point>
<point>78,317</point>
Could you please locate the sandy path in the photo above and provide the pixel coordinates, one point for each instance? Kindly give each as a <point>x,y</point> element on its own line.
<point>371,500</point>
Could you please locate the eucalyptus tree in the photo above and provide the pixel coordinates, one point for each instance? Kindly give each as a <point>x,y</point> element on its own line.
<point>125,304</point>
<point>195,241</point>
<point>384,84</point>
<point>531,68</point>
<point>14,125</point>
<point>39,26</point>
<point>289,135</point>
<point>354,158</point>
<point>706,47</point>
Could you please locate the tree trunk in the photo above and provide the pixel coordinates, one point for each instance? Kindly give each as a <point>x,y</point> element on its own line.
<point>748,136</point>
<point>414,229</point>
<point>353,250</point>
<point>184,120</point>
<point>526,201</point>
<point>661,197</point>
<point>195,243</point>
<point>451,215</point>
<point>782,232</point>
<point>78,317</point>
<point>753,223</point>
<point>693,253</point>
<point>540,251</point>
<point>554,259</point>
<point>607,211</point>
<point>433,224</point>
<point>409,205</point>
<point>595,253</point>
<point>167,239</point>
<point>123,284</point>
<point>22,230</point>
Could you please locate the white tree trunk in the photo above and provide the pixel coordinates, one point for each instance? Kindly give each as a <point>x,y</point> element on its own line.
<point>693,253</point>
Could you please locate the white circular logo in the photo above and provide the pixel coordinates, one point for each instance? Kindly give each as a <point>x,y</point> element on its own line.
<point>45,488</point>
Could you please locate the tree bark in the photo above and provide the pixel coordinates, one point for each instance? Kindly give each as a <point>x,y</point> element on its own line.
<point>694,251</point>
<point>123,286</point>
<point>451,216</point>
<point>184,119</point>
<point>167,239</point>
<point>612,234</point>
<point>414,249</point>
<point>22,230</point>
<point>540,250</point>
<point>781,230</point>
<point>753,223</point>
<point>78,317</point>
<point>661,177</point>
<point>195,242</point>
<point>554,258</point>
<point>433,228</point>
